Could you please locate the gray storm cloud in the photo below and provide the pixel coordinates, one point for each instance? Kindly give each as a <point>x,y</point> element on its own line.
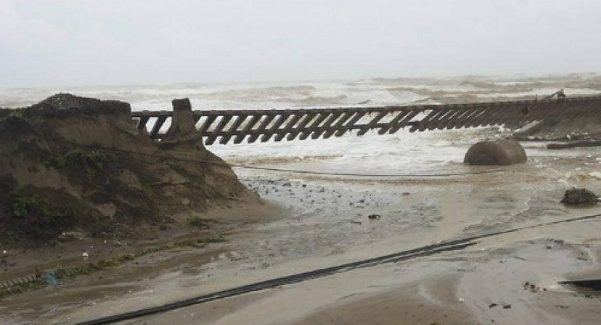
<point>73,42</point>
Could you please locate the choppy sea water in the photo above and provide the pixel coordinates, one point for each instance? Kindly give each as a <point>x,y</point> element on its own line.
<point>403,152</point>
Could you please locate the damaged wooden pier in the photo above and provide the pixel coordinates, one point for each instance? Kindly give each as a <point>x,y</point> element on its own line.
<point>279,124</point>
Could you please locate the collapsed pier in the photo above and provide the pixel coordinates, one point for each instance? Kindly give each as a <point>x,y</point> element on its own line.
<point>225,126</point>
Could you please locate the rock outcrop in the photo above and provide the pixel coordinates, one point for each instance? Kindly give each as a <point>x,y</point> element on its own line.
<point>500,152</point>
<point>72,163</point>
<point>579,196</point>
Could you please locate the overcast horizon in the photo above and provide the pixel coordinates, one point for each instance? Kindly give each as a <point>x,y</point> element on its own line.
<point>72,43</point>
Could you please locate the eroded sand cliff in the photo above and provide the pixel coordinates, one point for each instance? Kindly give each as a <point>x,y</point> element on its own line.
<point>70,163</point>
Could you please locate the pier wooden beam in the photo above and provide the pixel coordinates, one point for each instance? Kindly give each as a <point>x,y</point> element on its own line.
<point>291,124</point>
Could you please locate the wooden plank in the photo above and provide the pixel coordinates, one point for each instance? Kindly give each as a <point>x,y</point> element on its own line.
<point>289,126</point>
<point>157,126</point>
<point>253,120</point>
<point>372,123</point>
<point>305,134</point>
<point>401,124</point>
<point>234,127</point>
<point>459,120</point>
<point>274,127</point>
<point>326,125</point>
<point>261,128</point>
<point>142,122</point>
<point>339,125</point>
<point>206,124</point>
<point>442,121</point>
<point>308,117</point>
<point>351,124</point>
<point>393,122</point>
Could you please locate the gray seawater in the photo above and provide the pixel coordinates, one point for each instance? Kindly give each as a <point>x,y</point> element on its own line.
<point>436,151</point>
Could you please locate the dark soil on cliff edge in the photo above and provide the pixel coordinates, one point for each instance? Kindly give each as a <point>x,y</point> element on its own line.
<point>72,164</point>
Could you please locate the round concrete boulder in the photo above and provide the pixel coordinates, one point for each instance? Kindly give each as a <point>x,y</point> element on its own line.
<point>500,152</point>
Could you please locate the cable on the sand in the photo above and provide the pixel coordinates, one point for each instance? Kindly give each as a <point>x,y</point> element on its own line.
<point>428,250</point>
<point>309,172</point>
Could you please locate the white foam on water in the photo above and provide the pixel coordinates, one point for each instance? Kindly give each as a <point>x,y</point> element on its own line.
<point>400,153</point>
<point>403,152</point>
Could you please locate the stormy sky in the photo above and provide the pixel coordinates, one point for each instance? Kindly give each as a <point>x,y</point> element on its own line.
<point>113,42</point>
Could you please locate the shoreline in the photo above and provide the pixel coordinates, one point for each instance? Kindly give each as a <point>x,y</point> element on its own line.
<point>327,224</point>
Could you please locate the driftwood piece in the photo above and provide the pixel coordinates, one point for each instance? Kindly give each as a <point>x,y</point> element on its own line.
<point>574,144</point>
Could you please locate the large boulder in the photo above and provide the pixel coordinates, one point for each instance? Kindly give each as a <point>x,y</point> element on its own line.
<point>499,152</point>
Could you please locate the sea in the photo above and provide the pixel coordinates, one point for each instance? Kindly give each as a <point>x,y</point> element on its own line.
<point>400,153</point>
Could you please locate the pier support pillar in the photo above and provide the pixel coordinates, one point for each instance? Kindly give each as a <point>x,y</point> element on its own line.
<point>182,127</point>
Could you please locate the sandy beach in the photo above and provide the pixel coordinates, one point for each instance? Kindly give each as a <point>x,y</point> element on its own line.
<point>327,224</point>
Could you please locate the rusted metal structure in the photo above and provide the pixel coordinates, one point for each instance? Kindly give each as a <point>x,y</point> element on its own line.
<point>279,124</point>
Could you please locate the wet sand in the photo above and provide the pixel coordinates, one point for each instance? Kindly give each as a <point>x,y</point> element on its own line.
<point>23,261</point>
<point>327,224</point>
<point>502,280</point>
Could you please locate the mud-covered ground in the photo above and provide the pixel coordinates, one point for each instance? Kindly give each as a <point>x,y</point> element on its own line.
<point>326,223</point>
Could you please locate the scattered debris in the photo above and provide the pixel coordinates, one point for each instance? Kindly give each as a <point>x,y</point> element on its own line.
<point>51,279</point>
<point>579,196</point>
<point>595,175</point>
<point>70,236</point>
<point>198,222</point>
<point>593,284</point>
<point>532,287</point>
<point>574,144</point>
<point>374,217</point>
